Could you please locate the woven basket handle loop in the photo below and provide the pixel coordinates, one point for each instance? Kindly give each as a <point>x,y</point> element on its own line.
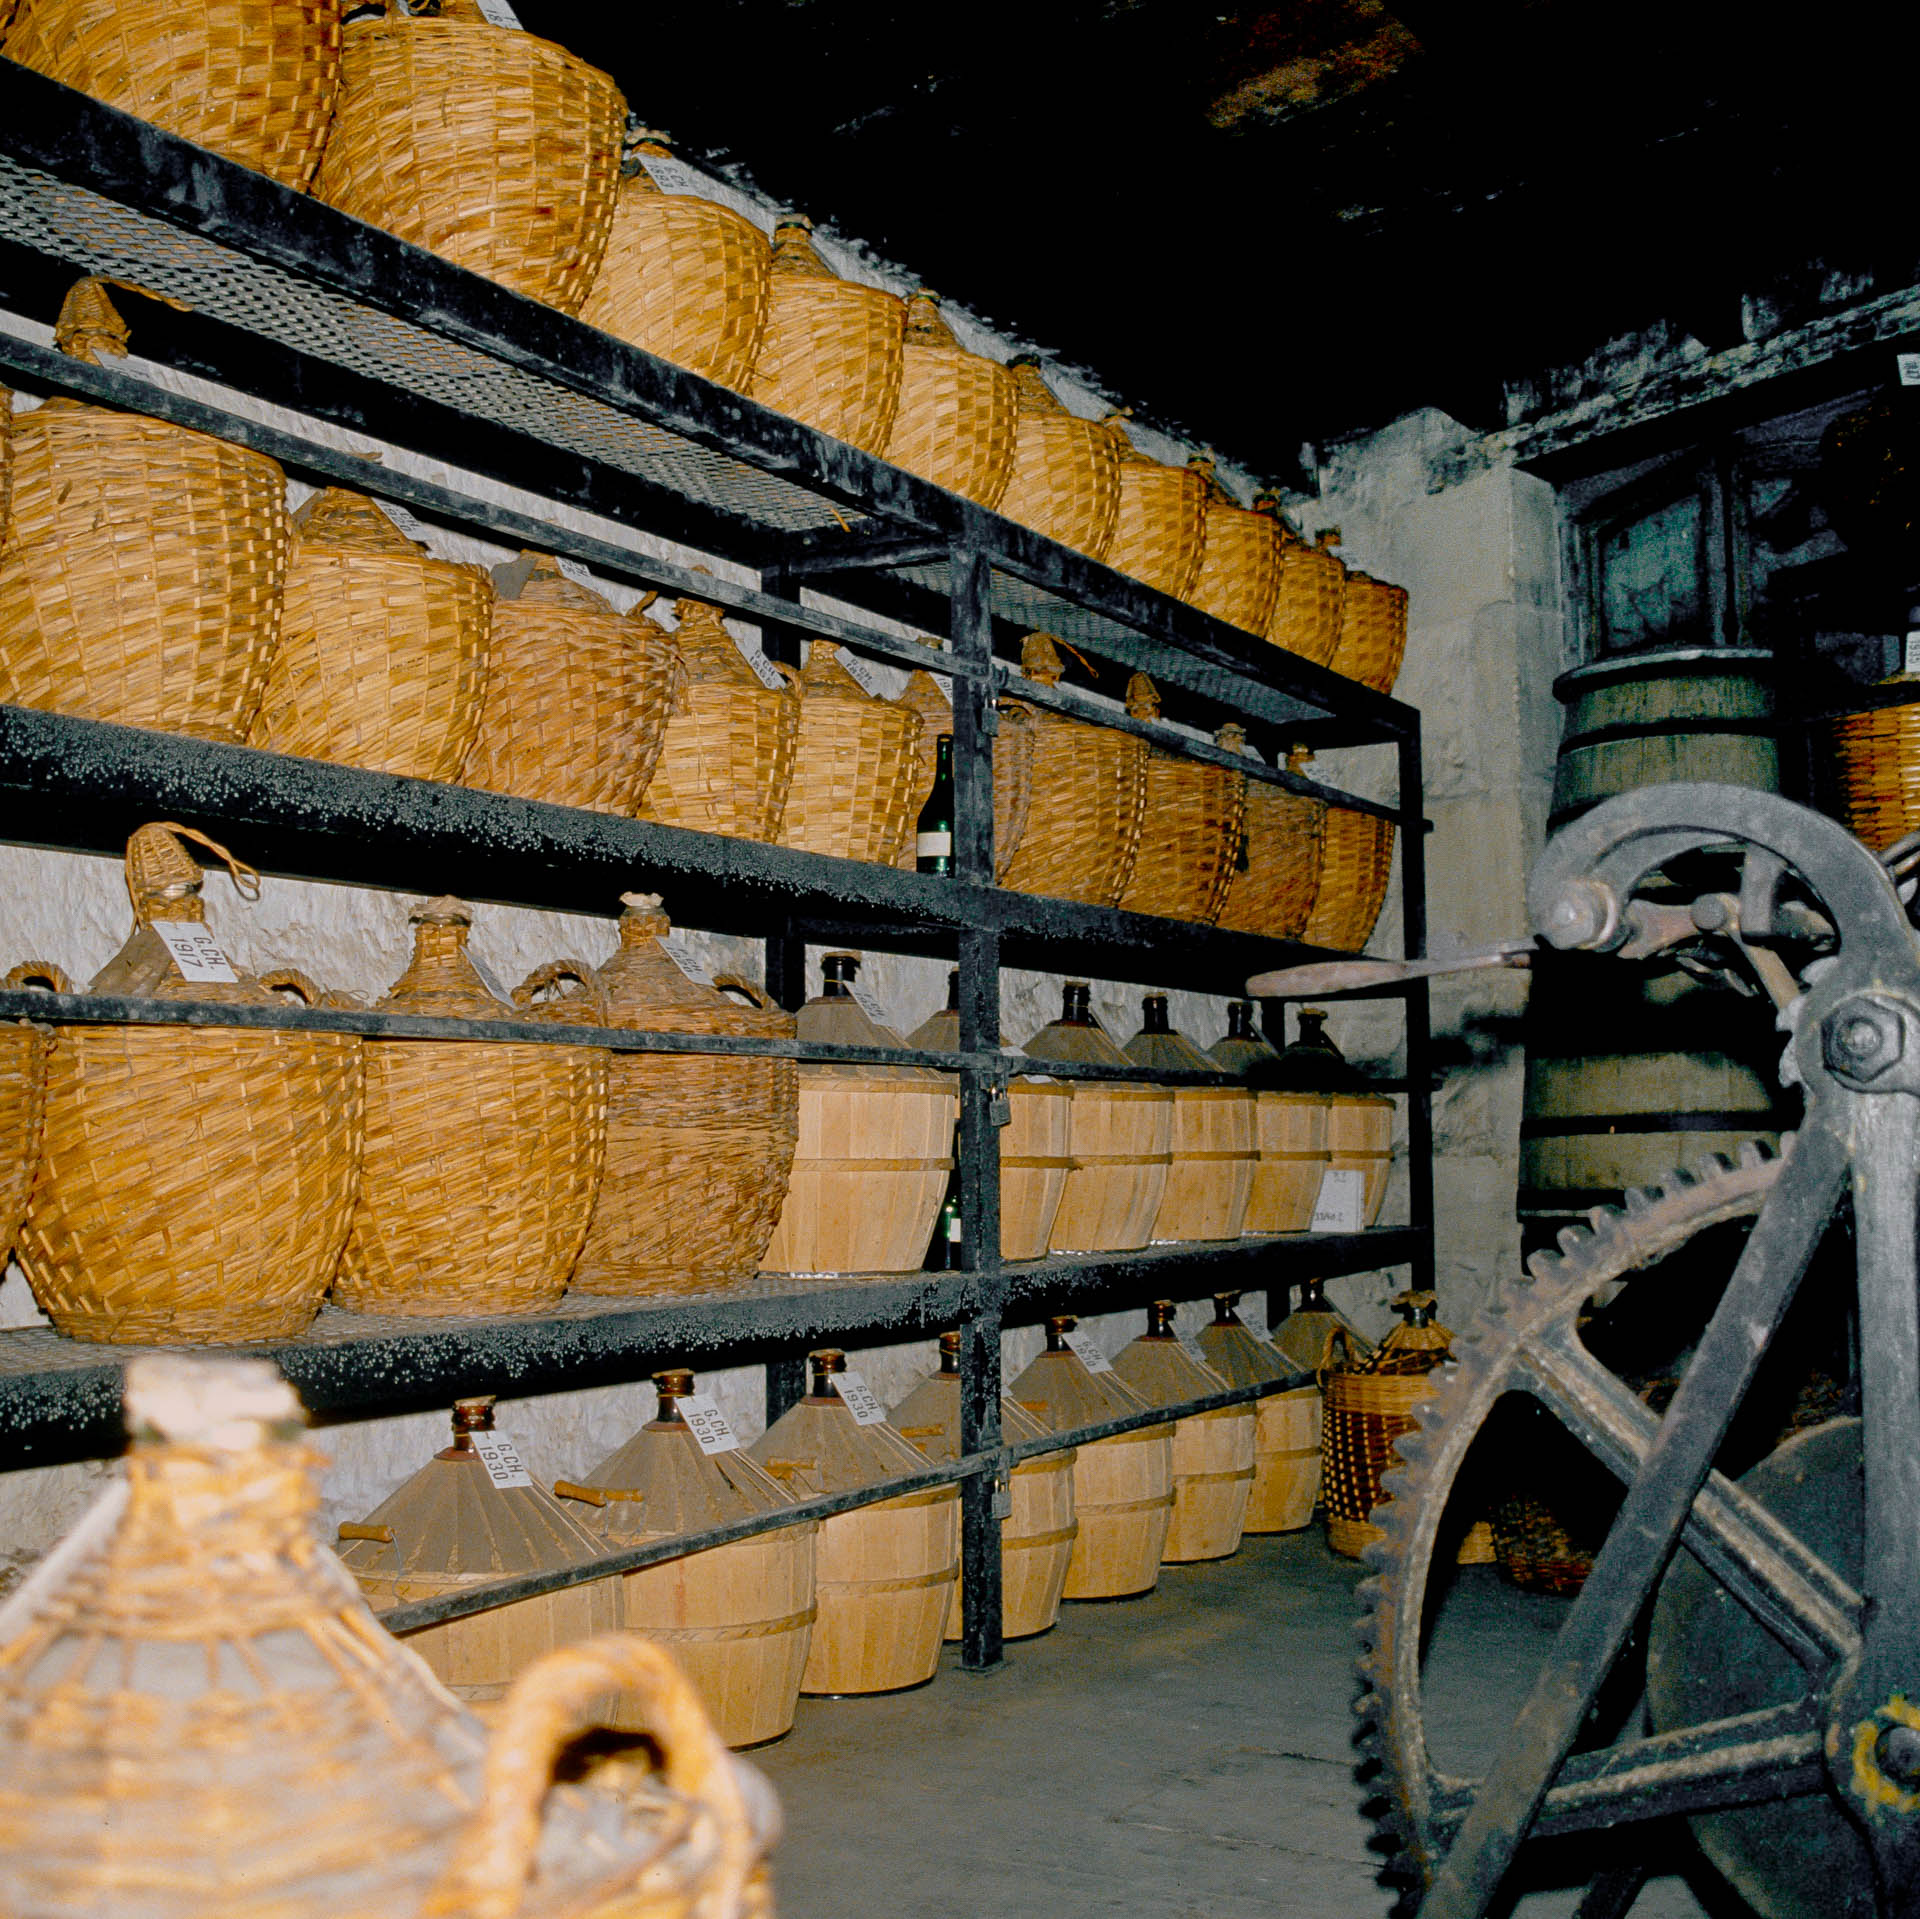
<point>290,979</point>
<point>40,973</point>
<point>246,879</point>
<point>551,975</point>
<point>552,1703</point>
<point>791,674</point>
<point>733,983</point>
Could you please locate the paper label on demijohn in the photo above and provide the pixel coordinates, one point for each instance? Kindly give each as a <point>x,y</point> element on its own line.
<point>502,1461</point>
<point>1910,653</point>
<point>1337,1209</point>
<point>862,673</point>
<point>1087,1353</point>
<point>698,974</point>
<point>765,671</point>
<point>708,1424</point>
<point>402,519</point>
<point>672,176</point>
<point>859,1399</point>
<point>196,953</point>
<point>864,999</point>
<point>497,13</point>
<point>1909,367</point>
<point>578,574</point>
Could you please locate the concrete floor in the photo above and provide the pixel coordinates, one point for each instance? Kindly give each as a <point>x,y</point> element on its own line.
<point>1187,1755</point>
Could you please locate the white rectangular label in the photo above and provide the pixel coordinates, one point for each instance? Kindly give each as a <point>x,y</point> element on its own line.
<point>1337,1210</point>
<point>1910,654</point>
<point>578,574</point>
<point>196,953</point>
<point>502,1462</point>
<point>698,974</point>
<point>1087,1353</point>
<point>769,674</point>
<point>933,846</point>
<point>672,176</point>
<point>708,1424</point>
<point>861,673</point>
<point>1191,1347</point>
<point>860,1402</point>
<point>402,519</point>
<point>1909,365</point>
<point>866,1002</point>
<point>497,13</point>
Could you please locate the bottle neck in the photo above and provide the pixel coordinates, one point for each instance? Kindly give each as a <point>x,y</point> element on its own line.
<point>1153,1014</point>
<point>1057,1331</point>
<point>953,990</point>
<point>943,757</point>
<point>1160,1319</point>
<point>837,972</point>
<point>1075,1006</point>
<point>1240,1019</point>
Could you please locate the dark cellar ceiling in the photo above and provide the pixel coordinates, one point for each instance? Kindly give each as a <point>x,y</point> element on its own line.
<point>1270,227</point>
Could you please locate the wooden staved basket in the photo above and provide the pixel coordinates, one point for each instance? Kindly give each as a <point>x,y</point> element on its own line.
<point>1310,595</point>
<point>1213,1148</point>
<point>482,1156</point>
<point>1191,821</point>
<point>1356,858</point>
<point>383,651</point>
<point>832,350</point>
<point>576,699</point>
<point>726,760</point>
<point>1275,875</point>
<point>1160,527</point>
<point>854,767</point>
<point>1877,764</point>
<point>195,1182</point>
<point>1066,474</point>
<point>251,79</point>
<point>682,277</point>
<point>1373,632</point>
<point>1240,566</point>
<point>1286,1433</point>
<point>955,424</point>
<point>1012,767</point>
<point>495,149</point>
<point>142,567</point>
<point>699,1145</point>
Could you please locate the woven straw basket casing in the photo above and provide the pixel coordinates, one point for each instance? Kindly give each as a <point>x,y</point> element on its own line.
<point>1373,632</point>
<point>1190,826</point>
<point>1160,528</point>
<point>1065,482</point>
<point>1356,858</point>
<point>1274,881</point>
<point>495,149</point>
<point>1240,564</point>
<point>482,1157</point>
<point>955,423</point>
<point>682,277</point>
<point>854,767</point>
<point>1012,767</point>
<point>23,1105</point>
<point>252,79</point>
<point>1310,595</point>
<point>195,1182</point>
<point>1877,766</point>
<point>1369,1405</point>
<point>383,648</point>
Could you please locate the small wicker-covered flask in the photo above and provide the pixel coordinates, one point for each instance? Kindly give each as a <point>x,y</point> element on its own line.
<point>1012,766</point>
<point>682,276</point>
<point>383,649</point>
<point>1240,566</point>
<point>1213,1452</point>
<point>832,349</point>
<point>493,148</point>
<point>1191,820</point>
<point>1036,1537</point>
<point>1065,482</point>
<point>738,1618</point>
<point>482,1156</point>
<point>195,1182</point>
<point>1272,882</point>
<point>1310,592</point>
<point>576,700</point>
<point>885,1571</point>
<point>1160,527</point>
<point>1290,1130</point>
<point>726,759</point>
<point>1214,1150</point>
<point>955,422</point>
<point>1286,1428</point>
<point>699,1145</point>
<point>1122,1485</point>
<point>1373,632</point>
<point>854,766</point>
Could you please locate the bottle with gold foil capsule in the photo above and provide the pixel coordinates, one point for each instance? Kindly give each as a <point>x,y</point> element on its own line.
<point>1240,565</point>
<point>1036,1537</point>
<point>1290,1131</point>
<point>1160,526</point>
<point>1122,1485</point>
<point>738,1618</point>
<point>1214,1150</point>
<point>1066,475</point>
<point>955,423</point>
<point>1213,1453</point>
<point>1286,1427</point>
<point>885,1571</point>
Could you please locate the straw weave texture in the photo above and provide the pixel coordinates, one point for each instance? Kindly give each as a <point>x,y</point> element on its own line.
<point>1065,482</point>
<point>496,150</point>
<point>1240,564</point>
<point>576,701</point>
<point>955,423</point>
<point>1160,528</point>
<point>1356,856</point>
<point>1276,875</point>
<point>1190,826</point>
<point>1373,632</point>
<point>1363,1415</point>
<point>252,79</point>
<point>1012,768</point>
<point>1877,765</point>
<point>1310,594</point>
<point>383,649</point>
<point>685,278</point>
<point>141,576</point>
<point>23,1105</point>
<point>853,768</point>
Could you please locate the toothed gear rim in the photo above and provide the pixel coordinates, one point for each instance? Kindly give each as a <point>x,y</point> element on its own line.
<point>1502,1347</point>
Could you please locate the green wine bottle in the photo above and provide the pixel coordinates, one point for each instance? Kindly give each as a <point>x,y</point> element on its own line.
<point>933,831</point>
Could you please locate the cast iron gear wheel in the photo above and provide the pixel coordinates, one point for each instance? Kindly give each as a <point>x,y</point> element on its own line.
<point>1525,1339</point>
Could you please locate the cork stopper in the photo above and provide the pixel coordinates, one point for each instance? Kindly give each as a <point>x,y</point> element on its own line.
<point>821,1367</point>
<point>949,1352</point>
<point>469,1416</point>
<point>1223,1313</point>
<point>672,1385</point>
<point>1058,1327</point>
<point>217,1405</point>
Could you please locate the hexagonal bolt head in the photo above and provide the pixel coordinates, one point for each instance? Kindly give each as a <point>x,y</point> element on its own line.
<point>1584,913</point>
<point>1897,1752</point>
<point>1863,1038</point>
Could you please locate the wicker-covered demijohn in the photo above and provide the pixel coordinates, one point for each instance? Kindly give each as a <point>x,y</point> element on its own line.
<point>854,767</point>
<point>1373,632</point>
<point>1275,876</point>
<point>1356,859</point>
<point>576,699</point>
<point>1240,565</point>
<point>726,759</point>
<point>1876,758</point>
<point>482,1156</point>
<point>251,79</point>
<point>955,423</point>
<point>1065,482</point>
<point>23,1106</point>
<point>1310,595</point>
<point>682,277</point>
<point>495,149</point>
<point>1012,767</point>
<point>1191,821</point>
<point>195,1182</point>
<point>383,651</point>
<point>1160,528</point>
<point>699,1145</point>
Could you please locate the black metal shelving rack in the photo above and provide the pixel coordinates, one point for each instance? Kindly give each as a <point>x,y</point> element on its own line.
<point>231,279</point>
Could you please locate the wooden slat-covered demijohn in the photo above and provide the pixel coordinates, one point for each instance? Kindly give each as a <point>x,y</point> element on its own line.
<point>1290,1130</point>
<point>1359,1124</point>
<point>1213,1150</point>
<point>1286,1429</point>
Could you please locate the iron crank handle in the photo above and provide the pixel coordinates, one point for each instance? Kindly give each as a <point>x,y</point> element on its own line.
<point>1344,976</point>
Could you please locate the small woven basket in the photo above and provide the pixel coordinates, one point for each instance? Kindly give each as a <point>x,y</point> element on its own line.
<point>726,759</point>
<point>576,702</point>
<point>1535,1551</point>
<point>1240,564</point>
<point>251,79</point>
<point>1012,767</point>
<point>141,574</point>
<point>1877,767</point>
<point>1160,526</point>
<point>1373,632</point>
<point>23,1106</point>
<point>1191,823</point>
<point>681,277</point>
<point>195,1182</point>
<point>1275,876</point>
<point>832,350</point>
<point>1065,482</point>
<point>699,1146</point>
<point>955,423</point>
<point>495,149</point>
<point>1087,791</point>
<point>853,769</point>
<point>1356,858</point>
<point>482,1156</point>
<point>1310,595</point>
<point>383,649</point>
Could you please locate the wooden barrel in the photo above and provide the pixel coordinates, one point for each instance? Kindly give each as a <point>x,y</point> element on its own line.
<point>1121,1146</point>
<point>1648,719</point>
<point>1290,1133</point>
<point>1286,1462</point>
<point>1210,1176</point>
<point>1123,1504</point>
<point>1360,1138</point>
<point>885,1578</point>
<point>1036,1160</point>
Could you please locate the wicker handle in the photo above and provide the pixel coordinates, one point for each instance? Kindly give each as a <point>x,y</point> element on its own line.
<point>40,973</point>
<point>290,979</point>
<point>359,1529</point>
<point>246,879</point>
<point>791,674</point>
<point>552,974</point>
<point>587,1495</point>
<point>552,1703</point>
<point>733,983</point>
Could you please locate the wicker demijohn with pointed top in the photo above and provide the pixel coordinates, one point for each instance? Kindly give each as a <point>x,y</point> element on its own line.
<point>253,80</point>
<point>1160,527</point>
<point>1356,859</point>
<point>576,700</point>
<point>1240,565</point>
<point>482,1156</point>
<point>683,277</point>
<point>726,760</point>
<point>885,1571</point>
<point>832,350</point>
<point>1373,632</point>
<point>195,1181</point>
<point>1214,1151</point>
<point>699,1146</point>
<point>854,766</point>
<point>738,1618</point>
<point>1310,596</point>
<point>1191,821</point>
<point>1286,1429</point>
<point>1012,767</point>
<point>955,423</point>
<point>383,650</point>
<point>1275,877</point>
<point>495,149</point>
<point>1065,482</point>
